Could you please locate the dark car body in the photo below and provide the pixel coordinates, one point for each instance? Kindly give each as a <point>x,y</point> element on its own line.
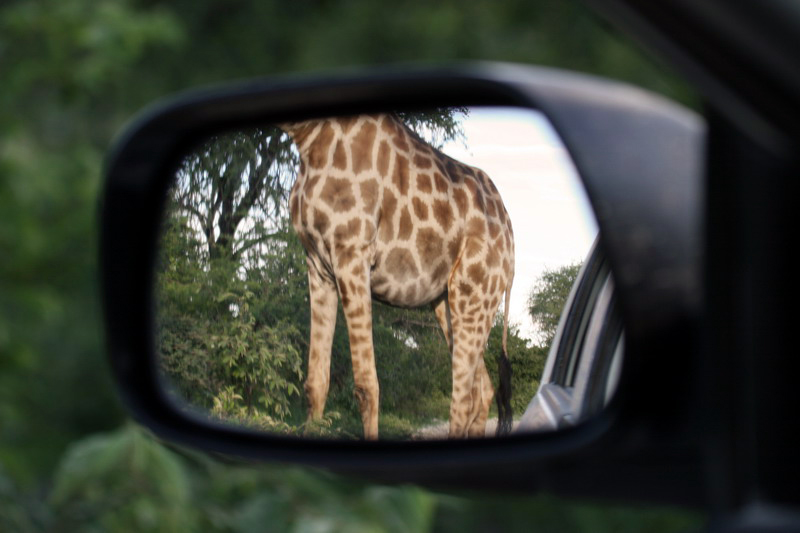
<point>585,359</point>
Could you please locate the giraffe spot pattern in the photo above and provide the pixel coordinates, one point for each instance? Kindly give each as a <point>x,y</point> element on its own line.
<point>321,221</point>
<point>493,284</point>
<point>311,185</point>
<point>361,148</point>
<point>387,126</point>
<point>369,195</point>
<point>303,131</point>
<point>338,194</point>
<point>429,245</point>
<point>339,156</point>
<point>440,272</point>
<point>492,258</point>
<point>473,248</point>
<point>424,183</point>
<point>411,293</point>
<point>344,255</point>
<point>420,208</point>
<point>347,123</point>
<point>422,161</point>
<point>476,226</point>
<point>443,214</point>
<point>476,273</point>
<point>344,294</point>
<point>384,156</point>
<point>400,143</point>
<point>441,183</point>
<point>460,199</point>
<point>453,247</point>
<point>491,210</point>
<point>386,228</point>
<point>369,231</point>
<point>465,289</point>
<point>476,195</point>
<point>349,231</point>
<point>406,226</point>
<point>401,264</point>
<point>318,156</point>
<point>400,175</point>
<point>452,169</point>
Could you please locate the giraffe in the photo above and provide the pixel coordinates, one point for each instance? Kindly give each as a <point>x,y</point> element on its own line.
<point>383,215</point>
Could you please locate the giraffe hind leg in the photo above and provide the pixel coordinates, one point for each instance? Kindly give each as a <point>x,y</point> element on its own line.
<point>473,300</point>
<point>323,301</point>
<point>468,339</point>
<point>482,394</point>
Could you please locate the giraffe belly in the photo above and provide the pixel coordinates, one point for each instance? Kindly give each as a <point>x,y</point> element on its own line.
<point>398,278</point>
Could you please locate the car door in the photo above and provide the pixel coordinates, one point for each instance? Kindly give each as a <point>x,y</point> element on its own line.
<point>583,363</point>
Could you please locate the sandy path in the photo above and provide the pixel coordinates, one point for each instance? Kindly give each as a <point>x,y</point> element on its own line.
<point>438,430</point>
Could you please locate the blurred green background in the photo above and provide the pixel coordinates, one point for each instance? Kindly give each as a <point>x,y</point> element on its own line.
<point>72,72</point>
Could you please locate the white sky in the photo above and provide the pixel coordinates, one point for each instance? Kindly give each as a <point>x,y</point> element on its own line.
<point>551,216</point>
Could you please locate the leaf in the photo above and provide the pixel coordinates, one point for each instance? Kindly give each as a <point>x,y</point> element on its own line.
<point>225,296</point>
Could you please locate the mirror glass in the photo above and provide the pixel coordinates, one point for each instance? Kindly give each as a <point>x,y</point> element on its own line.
<point>396,276</point>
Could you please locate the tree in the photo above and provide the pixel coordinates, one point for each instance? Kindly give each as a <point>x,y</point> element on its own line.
<point>213,347</point>
<point>234,189</point>
<point>547,300</point>
<point>233,292</point>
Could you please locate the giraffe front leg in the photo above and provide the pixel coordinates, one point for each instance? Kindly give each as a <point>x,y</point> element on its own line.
<point>466,355</point>
<point>356,298</point>
<point>323,300</point>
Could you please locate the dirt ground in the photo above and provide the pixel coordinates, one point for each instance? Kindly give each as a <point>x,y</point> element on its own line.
<point>438,430</point>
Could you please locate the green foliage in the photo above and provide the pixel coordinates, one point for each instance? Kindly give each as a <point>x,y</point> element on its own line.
<point>73,72</point>
<point>20,512</point>
<point>545,513</point>
<point>548,298</point>
<point>213,346</point>
<point>84,45</point>
<point>121,481</point>
<point>246,498</point>
<point>413,363</point>
<point>126,481</point>
<point>62,65</point>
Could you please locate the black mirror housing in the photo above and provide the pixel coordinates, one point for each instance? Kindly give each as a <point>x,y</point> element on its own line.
<point>640,158</point>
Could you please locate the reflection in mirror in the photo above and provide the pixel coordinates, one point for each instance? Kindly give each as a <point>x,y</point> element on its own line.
<point>359,277</point>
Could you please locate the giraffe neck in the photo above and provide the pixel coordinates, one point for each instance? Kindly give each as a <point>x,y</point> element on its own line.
<point>303,132</point>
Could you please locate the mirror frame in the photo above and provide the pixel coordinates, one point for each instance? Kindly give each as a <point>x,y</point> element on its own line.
<point>639,157</point>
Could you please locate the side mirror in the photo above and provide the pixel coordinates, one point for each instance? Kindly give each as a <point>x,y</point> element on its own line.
<point>638,158</point>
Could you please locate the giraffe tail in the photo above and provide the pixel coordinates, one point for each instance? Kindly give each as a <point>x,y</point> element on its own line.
<point>503,396</point>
